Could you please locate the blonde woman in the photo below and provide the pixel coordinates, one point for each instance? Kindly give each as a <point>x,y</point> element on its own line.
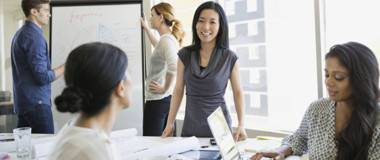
<point>162,70</point>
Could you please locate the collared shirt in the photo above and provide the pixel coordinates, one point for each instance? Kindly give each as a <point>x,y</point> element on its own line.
<point>316,134</point>
<point>31,68</point>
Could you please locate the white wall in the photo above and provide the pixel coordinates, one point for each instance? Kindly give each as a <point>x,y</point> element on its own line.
<point>148,47</point>
<point>2,56</point>
<point>86,30</point>
<point>12,13</point>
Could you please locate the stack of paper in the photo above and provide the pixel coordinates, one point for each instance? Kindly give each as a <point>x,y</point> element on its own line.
<point>253,145</point>
<point>122,134</point>
<point>43,146</point>
<point>163,149</point>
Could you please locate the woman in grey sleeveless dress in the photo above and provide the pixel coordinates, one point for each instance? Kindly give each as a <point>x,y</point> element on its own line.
<point>205,68</point>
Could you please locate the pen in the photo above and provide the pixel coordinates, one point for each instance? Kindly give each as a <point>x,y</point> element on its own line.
<point>140,150</point>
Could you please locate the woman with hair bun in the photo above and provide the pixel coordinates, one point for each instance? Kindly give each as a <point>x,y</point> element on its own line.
<point>97,87</point>
<point>163,66</point>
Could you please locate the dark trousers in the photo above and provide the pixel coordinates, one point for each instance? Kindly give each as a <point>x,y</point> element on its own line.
<point>40,119</point>
<point>155,116</point>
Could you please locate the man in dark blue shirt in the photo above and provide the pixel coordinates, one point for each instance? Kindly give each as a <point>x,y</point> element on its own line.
<point>31,69</point>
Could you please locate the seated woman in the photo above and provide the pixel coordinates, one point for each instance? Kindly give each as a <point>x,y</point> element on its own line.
<point>347,124</point>
<point>98,89</point>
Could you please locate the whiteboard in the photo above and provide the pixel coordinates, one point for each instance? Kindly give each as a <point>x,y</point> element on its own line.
<point>117,24</point>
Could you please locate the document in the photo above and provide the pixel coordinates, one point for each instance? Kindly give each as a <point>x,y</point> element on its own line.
<point>43,146</point>
<point>165,148</point>
<point>123,134</point>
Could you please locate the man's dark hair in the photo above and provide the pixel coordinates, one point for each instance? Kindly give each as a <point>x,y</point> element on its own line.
<point>27,5</point>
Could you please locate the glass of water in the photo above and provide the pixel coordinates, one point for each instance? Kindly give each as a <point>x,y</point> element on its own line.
<point>23,143</point>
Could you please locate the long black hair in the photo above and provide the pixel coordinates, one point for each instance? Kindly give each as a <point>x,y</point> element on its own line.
<point>361,63</point>
<point>222,37</point>
<point>92,71</point>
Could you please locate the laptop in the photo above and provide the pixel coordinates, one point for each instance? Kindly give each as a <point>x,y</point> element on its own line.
<point>223,136</point>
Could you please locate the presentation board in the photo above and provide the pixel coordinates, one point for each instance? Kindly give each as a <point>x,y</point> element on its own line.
<point>74,23</point>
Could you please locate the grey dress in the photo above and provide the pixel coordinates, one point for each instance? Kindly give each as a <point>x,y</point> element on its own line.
<point>205,88</point>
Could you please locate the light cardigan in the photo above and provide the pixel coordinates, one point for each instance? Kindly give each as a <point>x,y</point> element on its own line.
<point>316,134</point>
<point>162,61</point>
<point>78,143</point>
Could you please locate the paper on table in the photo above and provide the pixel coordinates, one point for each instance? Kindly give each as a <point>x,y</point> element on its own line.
<point>134,144</point>
<point>122,134</point>
<point>253,145</point>
<point>43,146</point>
<point>7,145</point>
<point>167,149</point>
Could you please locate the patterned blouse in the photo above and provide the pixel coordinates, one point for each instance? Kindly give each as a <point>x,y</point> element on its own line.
<point>316,134</point>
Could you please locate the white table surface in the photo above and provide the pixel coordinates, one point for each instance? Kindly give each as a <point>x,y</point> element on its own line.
<point>249,146</point>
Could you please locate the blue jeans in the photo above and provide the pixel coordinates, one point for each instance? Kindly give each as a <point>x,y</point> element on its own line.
<point>155,116</point>
<point>40,119</point>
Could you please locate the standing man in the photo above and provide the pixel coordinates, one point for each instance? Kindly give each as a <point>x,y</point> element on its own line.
<point>31,69</point>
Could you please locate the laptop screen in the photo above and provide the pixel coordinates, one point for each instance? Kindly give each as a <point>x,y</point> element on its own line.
<point>223,135</point>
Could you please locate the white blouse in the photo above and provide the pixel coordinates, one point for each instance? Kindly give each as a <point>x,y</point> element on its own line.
<point>316,134</point>
<point>162,61</point>
<point>74,143</point>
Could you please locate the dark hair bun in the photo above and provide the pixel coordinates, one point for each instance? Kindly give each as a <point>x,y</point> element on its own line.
<point>72,99</point>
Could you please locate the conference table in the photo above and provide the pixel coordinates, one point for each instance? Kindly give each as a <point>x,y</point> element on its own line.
<point>178,148</point>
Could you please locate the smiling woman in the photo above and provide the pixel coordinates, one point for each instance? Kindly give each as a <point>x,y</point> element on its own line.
<point>352,81</point>
<point>347,124</point>
<point>337,80</point>
<point>205,67</point>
